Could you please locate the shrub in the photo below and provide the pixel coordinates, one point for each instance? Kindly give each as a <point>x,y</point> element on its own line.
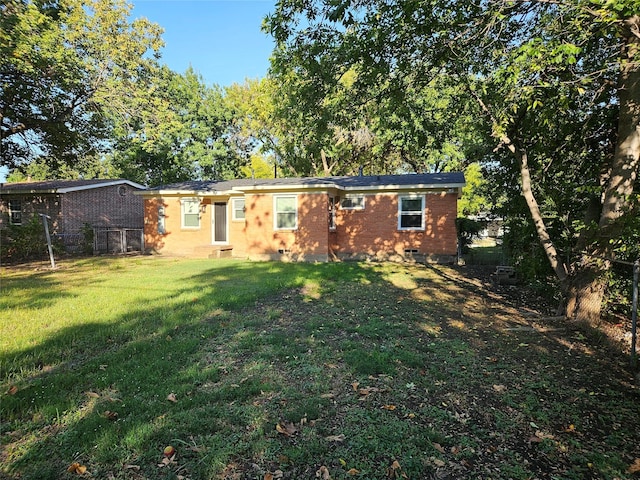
<point>24,242</point>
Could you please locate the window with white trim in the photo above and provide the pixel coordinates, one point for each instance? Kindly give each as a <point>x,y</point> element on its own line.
<point>352,202</point>
<point>15,212</point>
<point>190,213</point>
<point>411,212</point>
<point>285,212</point>
<point>238,209</point>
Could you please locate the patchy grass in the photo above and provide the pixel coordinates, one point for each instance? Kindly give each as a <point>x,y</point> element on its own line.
<point>274,370</point>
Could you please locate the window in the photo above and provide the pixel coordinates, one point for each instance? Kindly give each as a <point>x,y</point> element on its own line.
<point>15,212</point>
<point>285,212</point>
<point>411,213</point>
<point>161,222</point>
<point>332,213</point>
<point>190,213</point>
<point>238,209</point>
<point>352,202</point>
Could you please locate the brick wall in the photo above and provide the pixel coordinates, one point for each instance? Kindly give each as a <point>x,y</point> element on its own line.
<point>34,205</point>
<point>374,230</point>
<point>112,206</point>
<point>310,239</point>
<point>177,240</point>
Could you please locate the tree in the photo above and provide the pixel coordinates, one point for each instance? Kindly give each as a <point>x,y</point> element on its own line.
<point>183,137</point>
<point>563,70</point>
<point>65,67</point>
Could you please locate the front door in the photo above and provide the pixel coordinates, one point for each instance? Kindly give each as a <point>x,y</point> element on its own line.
<point>219,223</point>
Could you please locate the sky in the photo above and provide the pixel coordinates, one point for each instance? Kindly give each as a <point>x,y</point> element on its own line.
<point>220,39</point>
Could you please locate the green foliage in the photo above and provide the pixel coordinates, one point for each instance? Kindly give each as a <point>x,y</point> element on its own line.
<point>65,67</point>
<point>507,81</point>
<point>87,239</point>
<point>468,229</point>
<point>185,140</point>
<point>474,198</point>
<point>24,242</point>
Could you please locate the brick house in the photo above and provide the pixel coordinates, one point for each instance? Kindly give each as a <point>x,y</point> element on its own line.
<point>313,219</point>
<point>72,204</point>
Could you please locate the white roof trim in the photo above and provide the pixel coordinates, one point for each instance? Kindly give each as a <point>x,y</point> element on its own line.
<point>238,190</point>
<point>431,186</point>
<point>98,185</point>
<point>192,193</point>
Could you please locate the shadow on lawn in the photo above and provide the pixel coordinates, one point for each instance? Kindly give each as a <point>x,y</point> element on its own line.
<point>129,366</point>
<point>474,381</point>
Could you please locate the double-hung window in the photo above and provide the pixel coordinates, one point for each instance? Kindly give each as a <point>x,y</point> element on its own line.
<point>238,211</point>
<point>411,212</point>
<point>15,212</point>
<point>190,213</point>
<point>285,208</point>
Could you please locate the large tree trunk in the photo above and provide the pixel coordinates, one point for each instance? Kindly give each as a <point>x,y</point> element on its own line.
<point>588,284</point>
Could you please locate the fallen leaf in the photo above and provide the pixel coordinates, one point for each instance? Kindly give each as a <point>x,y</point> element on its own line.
<point>109,415</point>
<point>570,429</point>
<point>92,394</point>
<point>278,474</point>
<point>355,386</point>
<point>438,447</point>
<point>286,428</point>
<point>353,471</point>
<point>366,391</point>
<point>172,398</point>
<point>75,467</point>
<point>268,476</point>
<point>543,435</point>
<point>323,473</point>
<point>500,388</point>
<point>132,467</point>
<point>395,471</point>
<point>438,463</point>
<point>389,407</point>
<point>12,390</point>
<point>335,438</point>
<point>327,395</point>
<point>634,467</point>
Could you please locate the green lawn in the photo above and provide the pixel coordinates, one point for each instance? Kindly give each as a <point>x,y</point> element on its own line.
<point>283,370</point>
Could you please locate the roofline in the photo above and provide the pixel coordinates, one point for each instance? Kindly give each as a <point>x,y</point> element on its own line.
<point>293,187</point>
<point>75,189</point>
<point>98,185</point>
<point>413,186</point>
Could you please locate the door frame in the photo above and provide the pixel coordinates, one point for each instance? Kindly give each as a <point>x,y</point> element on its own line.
<point>213,222</point>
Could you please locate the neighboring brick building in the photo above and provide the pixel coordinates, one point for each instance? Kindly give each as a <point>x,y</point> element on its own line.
<point>72,204</point>
<point>312,219</point>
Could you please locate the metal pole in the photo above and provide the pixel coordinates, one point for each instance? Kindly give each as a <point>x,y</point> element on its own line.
<point>634,312</point>
<point>46,232</point>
